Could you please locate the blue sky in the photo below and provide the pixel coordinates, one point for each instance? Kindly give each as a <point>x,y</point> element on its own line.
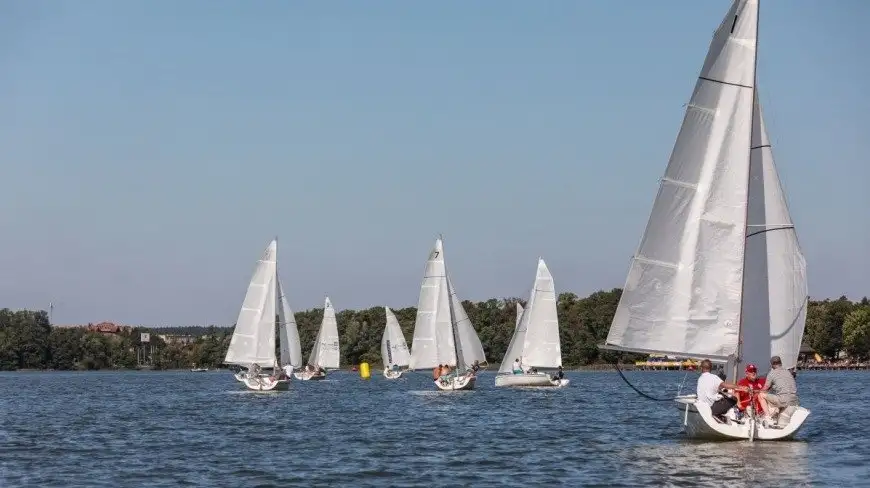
<point>151,149</point>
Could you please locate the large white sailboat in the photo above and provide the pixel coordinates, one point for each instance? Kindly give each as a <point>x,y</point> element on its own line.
<point>394,348</point>
<point>252,346</point>
<point>719,273</point>
<point>443,334</point>
<point>535,343</point>
<point>325,352</point>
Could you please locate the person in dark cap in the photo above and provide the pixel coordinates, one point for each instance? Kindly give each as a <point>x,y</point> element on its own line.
<point>779,391</point>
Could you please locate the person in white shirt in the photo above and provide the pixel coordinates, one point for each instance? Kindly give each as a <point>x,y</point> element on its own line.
<point>518,369</point>
<point>709,388</point>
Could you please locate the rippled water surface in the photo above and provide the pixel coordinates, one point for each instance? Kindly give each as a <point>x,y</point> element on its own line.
<point>203,429</point>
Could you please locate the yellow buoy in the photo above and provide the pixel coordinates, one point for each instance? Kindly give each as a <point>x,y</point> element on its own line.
<point>364,371</point>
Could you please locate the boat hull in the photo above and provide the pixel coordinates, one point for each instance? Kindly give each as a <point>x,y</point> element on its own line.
<point>456,383</point>
<point>266,383</point>
<point>529,379</point>
<point>698,423</point>
<point>309,376</point>
<point>392,375</point>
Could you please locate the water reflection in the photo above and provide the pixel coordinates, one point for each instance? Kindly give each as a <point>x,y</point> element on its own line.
<point>714,463</point>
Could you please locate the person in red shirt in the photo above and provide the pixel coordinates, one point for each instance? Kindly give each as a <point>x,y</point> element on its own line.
<point>751,380</point>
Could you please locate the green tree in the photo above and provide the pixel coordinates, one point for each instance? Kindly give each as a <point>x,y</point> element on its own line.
<point>856,333</point>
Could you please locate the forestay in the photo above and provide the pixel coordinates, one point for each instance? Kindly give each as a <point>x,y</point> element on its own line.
<point>682,295</point>
<point>536,338</point>
<point>432,343</point>
<point>253,340</point>
<point>291,348</point>
<point>775,286</point>
<point>394,349</point>
<point>325,352</point>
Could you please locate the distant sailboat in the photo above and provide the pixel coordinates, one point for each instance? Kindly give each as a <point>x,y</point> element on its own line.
<point>719,273</point>
<point>443,334</point>
<point>535,342</point>
<point>325,352</point>
<point>252,346</point>
<point>394,349</point>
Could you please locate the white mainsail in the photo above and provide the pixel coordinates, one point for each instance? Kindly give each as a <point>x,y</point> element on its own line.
<point>683,294</point>
<point>253,341</point>
<point>536,338</point>
<point>325,352</point>
<point>775,284</point>
<point>394,349</point>
<point>519,315</point>
<point>288,333</point>
<point>440,317</point>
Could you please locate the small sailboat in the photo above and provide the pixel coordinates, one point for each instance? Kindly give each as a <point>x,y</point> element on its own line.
<point>535,342</point>
<point>252,346</point>
<point>325,352</point>
<point>719,273</point>
<point>194,369</point>
<point>443,333</point>
<point>394,349</point>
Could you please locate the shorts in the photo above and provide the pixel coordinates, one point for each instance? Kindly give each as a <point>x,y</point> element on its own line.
<point>782,401</point>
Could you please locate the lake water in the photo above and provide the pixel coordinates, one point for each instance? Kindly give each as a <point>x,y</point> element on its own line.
<point>203,429</point>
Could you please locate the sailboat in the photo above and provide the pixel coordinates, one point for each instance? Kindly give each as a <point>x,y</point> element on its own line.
<point>536,337</point>
<point>719,273</point>
<point>394,349</point>
<point>252,346</point>
<point>443,334</point>
<point>325,352</point>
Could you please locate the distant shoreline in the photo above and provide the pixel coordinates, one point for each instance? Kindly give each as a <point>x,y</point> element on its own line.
<point>593,368</point>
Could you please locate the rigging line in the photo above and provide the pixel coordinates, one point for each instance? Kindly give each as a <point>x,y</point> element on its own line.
<point>616,365</point>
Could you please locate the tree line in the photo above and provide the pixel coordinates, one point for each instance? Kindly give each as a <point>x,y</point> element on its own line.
<point>28,340</point>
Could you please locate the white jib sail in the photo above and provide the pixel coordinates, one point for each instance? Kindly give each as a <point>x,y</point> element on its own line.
<point>288,335</point>
<point>775,286</point>
<point>471,349</point>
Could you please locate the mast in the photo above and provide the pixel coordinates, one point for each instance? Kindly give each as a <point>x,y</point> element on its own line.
<point>737,359</point>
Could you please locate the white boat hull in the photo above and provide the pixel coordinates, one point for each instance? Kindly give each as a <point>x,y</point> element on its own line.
<point>266,383</point>
<point>240,376</point>
<point>456,383</point>
<point>698,423</point>
<point>309,375</point>
<point>529,379</point>
<point>392,375</point>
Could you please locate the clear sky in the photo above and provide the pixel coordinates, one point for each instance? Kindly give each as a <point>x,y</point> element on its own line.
<point>149,150</point>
